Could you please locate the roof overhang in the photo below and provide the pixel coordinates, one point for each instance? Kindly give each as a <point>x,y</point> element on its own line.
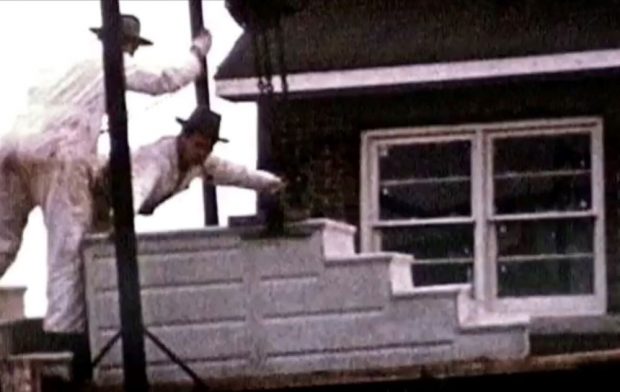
<point>423,74</point>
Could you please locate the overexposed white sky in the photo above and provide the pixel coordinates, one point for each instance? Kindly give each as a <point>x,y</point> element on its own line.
<point>39,35</point>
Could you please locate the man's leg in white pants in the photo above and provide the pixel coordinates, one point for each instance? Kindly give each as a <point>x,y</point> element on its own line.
<point>15,205</point>
<point>68,215</point>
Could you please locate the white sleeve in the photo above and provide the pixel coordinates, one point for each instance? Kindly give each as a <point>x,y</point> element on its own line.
<point>144,182</point>
<point>223,172</point>
<point>158,80</point>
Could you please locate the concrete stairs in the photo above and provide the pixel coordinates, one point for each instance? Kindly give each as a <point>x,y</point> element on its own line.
<point>233,304</point>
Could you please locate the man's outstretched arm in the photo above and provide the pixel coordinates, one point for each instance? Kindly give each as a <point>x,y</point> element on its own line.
<point>162,80</point>
<point>224,172</point>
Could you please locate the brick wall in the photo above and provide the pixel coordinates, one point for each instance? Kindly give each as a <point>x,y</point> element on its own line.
<point>320,139</point>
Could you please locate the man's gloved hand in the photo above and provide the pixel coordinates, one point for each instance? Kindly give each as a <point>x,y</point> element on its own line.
<point>276,185</point>
<point>202,43</point>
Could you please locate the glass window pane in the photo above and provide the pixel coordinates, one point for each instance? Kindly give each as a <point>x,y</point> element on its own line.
<point>430,242</point>
<point>541,153</point>
<point>429,200</point>
<point>428,160</point>
<point>561,236</point>
<point>546,278</point>
<point>542,194</point>
<point>428,275</point>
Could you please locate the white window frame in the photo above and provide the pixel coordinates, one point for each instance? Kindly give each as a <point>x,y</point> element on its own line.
<point>485,273</point>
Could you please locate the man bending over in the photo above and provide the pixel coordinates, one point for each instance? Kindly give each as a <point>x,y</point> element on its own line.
<point>166,167</point>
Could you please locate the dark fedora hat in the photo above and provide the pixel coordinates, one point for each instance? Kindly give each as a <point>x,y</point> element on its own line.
<point>131,29</point>
<point>204,121</point>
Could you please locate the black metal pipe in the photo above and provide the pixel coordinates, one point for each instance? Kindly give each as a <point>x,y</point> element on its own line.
<point>202,97</point>
<point>197,25</point>
<point>134,361</point>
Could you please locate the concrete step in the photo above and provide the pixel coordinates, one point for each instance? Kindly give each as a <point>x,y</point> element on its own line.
<point>187,251</point>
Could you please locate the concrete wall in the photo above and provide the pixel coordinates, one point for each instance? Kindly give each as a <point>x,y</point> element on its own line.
<point>233,305</point>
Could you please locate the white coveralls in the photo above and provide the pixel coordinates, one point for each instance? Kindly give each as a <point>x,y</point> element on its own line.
<point>156,175</point>
<point>48,160</point>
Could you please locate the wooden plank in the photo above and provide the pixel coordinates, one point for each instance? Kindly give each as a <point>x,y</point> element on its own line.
<point>414,74</point>
<point>447,370</point>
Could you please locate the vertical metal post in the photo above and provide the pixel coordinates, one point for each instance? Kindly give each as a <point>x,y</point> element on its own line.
<point>134,362</point>
<point>270,120</point>
<point>265,154</point>
<point>202,97</point>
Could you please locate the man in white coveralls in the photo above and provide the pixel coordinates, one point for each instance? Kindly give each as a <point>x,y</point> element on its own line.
<point>48,157</point>
<point>162,169</point>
